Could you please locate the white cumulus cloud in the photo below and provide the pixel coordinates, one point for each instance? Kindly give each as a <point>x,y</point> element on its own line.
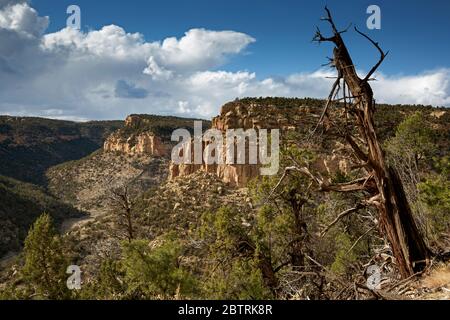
<point>431,87</point>
<point>109,73</point>
<point>20,17</point>
<point>199,49</point>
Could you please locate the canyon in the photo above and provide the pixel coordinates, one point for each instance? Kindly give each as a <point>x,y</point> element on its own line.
<point>169,197</point>
<point>137,138</point>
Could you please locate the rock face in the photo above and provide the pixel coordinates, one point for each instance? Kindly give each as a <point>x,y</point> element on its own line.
<point>262,115</point>
<point>138,137</point>
<point>239,115</point>
<point>133,141</point>
<point>235,175</point>
<point>144,143</point>
<point>236,115</point>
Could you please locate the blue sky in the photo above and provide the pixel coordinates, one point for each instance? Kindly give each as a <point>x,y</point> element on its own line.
<point>417,32</point>
<point>188,58</point>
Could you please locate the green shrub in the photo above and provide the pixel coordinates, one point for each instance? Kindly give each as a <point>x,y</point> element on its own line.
<point>155,272</point>
<point>435,195</point>
<point>45,264</point>
<point>242,281</point>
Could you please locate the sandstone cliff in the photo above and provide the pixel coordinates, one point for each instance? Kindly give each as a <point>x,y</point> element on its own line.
<point>133,139</point>
<point>147,135</point>
<point>150,135</point>
<point>136,144</point>
<point>296,116</point>
<point>243,115</point>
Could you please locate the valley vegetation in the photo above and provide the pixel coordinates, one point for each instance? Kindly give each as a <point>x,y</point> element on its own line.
<point>363,185</point>
<point>279,238</point>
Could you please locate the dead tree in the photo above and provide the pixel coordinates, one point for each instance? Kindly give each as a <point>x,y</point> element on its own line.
<point>124,204</point>
<point>381,183</point>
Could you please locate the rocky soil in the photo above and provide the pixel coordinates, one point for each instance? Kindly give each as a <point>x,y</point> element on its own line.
<point>173,206</point>
<point>87,184</point>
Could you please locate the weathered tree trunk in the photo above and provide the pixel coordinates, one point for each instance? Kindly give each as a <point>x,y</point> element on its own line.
<point>268,274</point>
<point>301,231</point>
<point>121,198</point>
<point>246,246</point>
<point>396,219</point>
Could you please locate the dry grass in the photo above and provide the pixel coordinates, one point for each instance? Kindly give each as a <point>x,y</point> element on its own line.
<point>440,277</point>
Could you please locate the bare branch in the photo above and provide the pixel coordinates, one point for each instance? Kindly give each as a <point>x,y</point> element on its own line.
<point>355,185</point>
<point>341,216</point>
<point>382,55</point>
<point>329,100</point>
<point>318,37</point>
<point>359,239</point>
<point>286,172</point>
<point>352,186</point>
<point>329,18</point>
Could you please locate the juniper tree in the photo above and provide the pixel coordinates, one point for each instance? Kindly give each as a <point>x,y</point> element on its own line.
<point>45,262</point>
<point>380,183</point>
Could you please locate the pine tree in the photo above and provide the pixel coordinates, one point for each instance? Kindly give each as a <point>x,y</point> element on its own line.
<point>45,263</point>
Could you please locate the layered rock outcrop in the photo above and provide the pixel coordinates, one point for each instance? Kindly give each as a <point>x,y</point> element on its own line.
<point>135,140</point>
<point>150,135</point>
<point>238,175</point>
<point>238,115</point>
<point>143,143</point>
<point>255,115</point>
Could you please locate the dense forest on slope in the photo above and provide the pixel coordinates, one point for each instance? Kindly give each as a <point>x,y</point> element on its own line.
<point>21,204</point>
<point>29,146</point>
